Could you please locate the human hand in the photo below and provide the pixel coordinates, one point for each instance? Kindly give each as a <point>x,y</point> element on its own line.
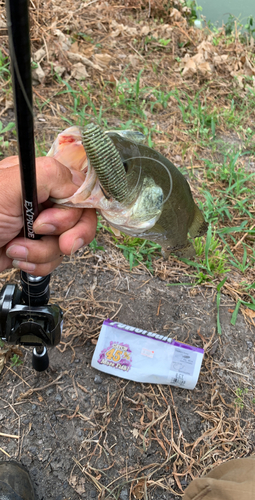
<point>64,229</point>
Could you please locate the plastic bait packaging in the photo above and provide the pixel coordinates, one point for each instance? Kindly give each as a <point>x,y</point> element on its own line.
<point>135,354</point>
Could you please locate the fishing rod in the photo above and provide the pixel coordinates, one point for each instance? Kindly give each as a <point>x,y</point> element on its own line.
<point>26,318</point>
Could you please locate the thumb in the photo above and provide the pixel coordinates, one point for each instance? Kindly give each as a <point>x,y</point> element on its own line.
<point>55,180</point>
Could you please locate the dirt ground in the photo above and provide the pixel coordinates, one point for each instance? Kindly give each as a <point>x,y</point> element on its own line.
<point>86,434</point>
<point>82,433</point>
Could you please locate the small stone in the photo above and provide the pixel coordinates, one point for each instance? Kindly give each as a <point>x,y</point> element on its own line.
<point>33,450</point>
<point>93,494</point>
<point>249,344</point>
<point>33,471</point>
<point>26,460</point>
<point>49,391</point>
<point>98,379</point>
<point>124,494</point>
<point>58,398</point>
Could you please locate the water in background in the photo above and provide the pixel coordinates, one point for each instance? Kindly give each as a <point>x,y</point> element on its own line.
<point>218,11</point>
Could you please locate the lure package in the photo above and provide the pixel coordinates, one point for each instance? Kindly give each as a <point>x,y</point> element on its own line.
<point>135,354</point>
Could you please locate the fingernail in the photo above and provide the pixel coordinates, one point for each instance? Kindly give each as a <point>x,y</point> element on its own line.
<point>45,229</point>
<point>25,266</point>
<point>77,244</point>
<point>17,252</point>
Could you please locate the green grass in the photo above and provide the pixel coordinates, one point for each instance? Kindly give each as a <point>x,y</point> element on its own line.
<point>138,251</point>
<point>5,73</point>
<point>227,188</point>
<point>225,185</point>
<point>3,131</point>
<point>15,360</point>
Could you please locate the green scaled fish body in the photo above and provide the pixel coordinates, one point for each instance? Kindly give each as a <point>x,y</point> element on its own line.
<point>180,215</point>
<point>135,188</point>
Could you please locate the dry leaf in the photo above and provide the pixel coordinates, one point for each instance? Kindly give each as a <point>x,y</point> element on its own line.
<point>205,68</point>
<point>113,80</point>
<point>134,61</point>
<point>73,480</point>
<point>103,59</point>
<point>63,40</point>
<point>220,59</point>
<point>206,47</point>
<point>198,58</point>
<point>38,75</point>
<point>84,60</point>
<point>135,433</point>
<point>239,78</point>
<point>80,488</point>
<point>79,72</point>
<point>138,489</point>
<point>190,68</point>
<point>39,54</point>
<point>176,15</point>
<point>145,30</point>
<point>2,358</point>
<point>75,47</point>
<point>250,314</point>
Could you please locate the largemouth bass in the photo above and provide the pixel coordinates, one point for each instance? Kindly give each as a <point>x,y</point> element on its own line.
<point>135,188</point>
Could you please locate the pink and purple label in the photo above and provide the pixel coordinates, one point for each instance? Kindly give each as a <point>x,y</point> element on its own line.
<point>117,355</point>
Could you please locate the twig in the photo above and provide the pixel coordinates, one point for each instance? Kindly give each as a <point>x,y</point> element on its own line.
<point>9,435</point>
<point>30,392</point>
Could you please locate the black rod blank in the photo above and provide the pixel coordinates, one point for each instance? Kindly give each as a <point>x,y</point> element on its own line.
<point>35,290</point>
<point>19,43</point>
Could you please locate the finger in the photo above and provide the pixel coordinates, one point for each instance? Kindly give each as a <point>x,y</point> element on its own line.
<point>56,220</point>
<point>10,161</point>
<point>55,180</point>
<point>81,234</point>
<point>5,262</point>
<point>37,269</point>
<point>40,251</point>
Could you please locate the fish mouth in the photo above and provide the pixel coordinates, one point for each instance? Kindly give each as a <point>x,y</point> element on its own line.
<point>93,153</point>
<point>127,201</point>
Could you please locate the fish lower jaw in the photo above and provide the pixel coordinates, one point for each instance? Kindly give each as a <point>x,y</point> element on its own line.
<point>127,226</point>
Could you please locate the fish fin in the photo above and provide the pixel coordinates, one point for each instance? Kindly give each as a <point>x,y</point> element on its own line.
<point>199,226</point>
<point>115,230</point>
<point>187,251</point>
<point>131,135</point>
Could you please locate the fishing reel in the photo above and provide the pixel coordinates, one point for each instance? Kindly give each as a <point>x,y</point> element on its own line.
<point>27,319</point>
